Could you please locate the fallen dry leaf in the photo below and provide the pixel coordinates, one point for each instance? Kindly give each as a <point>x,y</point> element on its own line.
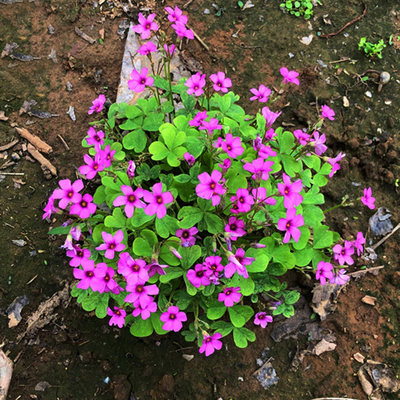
<point>359,357</point>
<point>3,116</point>
<point>369,300</point>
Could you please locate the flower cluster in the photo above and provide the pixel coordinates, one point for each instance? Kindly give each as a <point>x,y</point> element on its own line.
<point>198,209</point>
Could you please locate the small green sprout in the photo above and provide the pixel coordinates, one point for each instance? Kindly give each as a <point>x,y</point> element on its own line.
<point>371,49</point>
<point>298,8</point>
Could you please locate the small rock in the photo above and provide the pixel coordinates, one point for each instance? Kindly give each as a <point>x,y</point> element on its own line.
<point>19,242</point>
<point>3,116</point>
<point>121,387</point>
<point>71,113</point>
<point>266,375</point>
<point>14,310</point>
<point>68,87</point>
<point>51,29</point>
<point>15,157</point>
<point>42,386</point>
<point>368,94</point>
<point>188,357</point>
<point>323,346</point>
<point>359,358</point>
<point>380,223</point>
<point>53,56</point>
<point>307,39</point>
<point>346,102</point>
<point>206,11</point>
<point>369,300</point>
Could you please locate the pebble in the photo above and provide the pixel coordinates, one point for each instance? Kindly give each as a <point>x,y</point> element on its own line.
<point>19,242</point>
<point>50,29</point>
<point>15,157</point>
<point>368,94</point>
<point>206,11</point>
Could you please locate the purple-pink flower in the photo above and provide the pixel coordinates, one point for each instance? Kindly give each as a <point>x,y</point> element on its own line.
<point>131,269</point>
<point>335,163</point>
<point>130,171</point>
<point>220,82</point>
<point>187,236</point>
<point>230,296</point>
<point>243,199</point>
<point>141,294</point>
<point>261,94</point>
<point>182,31</point>
<point>213,267</point>
<point>139,80</point>
<point>262,319</point>
<point>260,195</point>
<point>144,312</point>
<point>302,137</point>
<point>189,159</point>
<point>259,168</point>
<point>210,126</point>
<point>210,344</point>
<point>237,263</point>
<point>69,193</point>
<point>327,112</point>
<point>340,278</point>
<point>92,167</point>
<point>342,254</point>
<point>358,243</point>
<point>78,256</point>
<point>289,76</point>
<point>176,15</point>
<point>270,116</point>
<point>324,272</point>
<point>225,165</point>
<point>49,208</point>
<point>145,26</point>
<point>157,201</point>
<point>198,276</point>
<point>103,281</point>
<point>94,138</point>
<point>318,143</point>
<point>210,187</point>
<point>196,83</point>
<point>97,104</point>
<point>147,48</point>
<point>169,50</point>
<point>130,199</point>
<point>84,208</point>
<point>367,198</point>
<point>198,119</point>
<point>235,228</point>
<point>117,316</point>
<point>173,319</point>
<point>112,243</point>
<point>291,224</point>
<point>290,191</point>
<point>266,151</point>
<point>85,275</point>
<point>232,145</point>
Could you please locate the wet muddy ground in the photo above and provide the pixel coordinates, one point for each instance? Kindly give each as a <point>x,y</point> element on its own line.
<point>80,356</point>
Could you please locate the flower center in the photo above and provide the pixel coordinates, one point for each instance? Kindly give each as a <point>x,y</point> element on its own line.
<point>185,234</point>
<point>159,199</point>
<point>233,227</point>
<point>214,267</point>
<point>147,26</point>
<point>241,200</point>
<point>97,138</point>
<point>288,225</point>
<point>139,288</point>
<point>118,312</point>
<point>95,166</point>
<point>143,81</point>
<point>208,340</point>
<point>261,316</point>
<point>79,253</point>
<point>83,204</point>
<point>131,198</point>
<point>286,191</point>
<point>228,292</point>
<point>199,274</point>
<point>70,194</point>
<point>89,274</point>
<point>229,147</point>
<point>135,268</point>
<point>212,185</point>
<point>172,316</point>
<point>111,246</point>
<point>107,278</point>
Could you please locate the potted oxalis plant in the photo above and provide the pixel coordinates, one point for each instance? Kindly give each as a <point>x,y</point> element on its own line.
<point>198,209</point>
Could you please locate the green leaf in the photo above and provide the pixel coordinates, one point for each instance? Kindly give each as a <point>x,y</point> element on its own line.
<point>277,269</point>
<point>171,273</point>
<point>158,151</point>
<point>313,215</point>
<point>216,312</point>
<point>214,223</point>
<point>323,237</point>
<point>261,260</point>
<point>303,240</point>
<point>194,146</point>
<point>182,178</point>
<point>241,337</point>
<point>189,255</point>
<point>141,328</point>
<point>157,323</point>
<point>153,122</point>
<point>283,255</point>
<point>183,299</point>
<point>246,284</point>
<point>132,111</point>
<point>291,297</point>
<point>139,218</point>
<point>102,305</point>
<point>167,256</point>
<point>304,256</point>
<point>189,216</point>
<point>222,327</point>
<point>99,196</point>
<point>59,230</point>
<point>239,314</point>
<point>286,142</point>
<point>116,220</point>
<point>135,140</point>
<point>132,124</point>
<point>141,247</point>
<point>166,226</point>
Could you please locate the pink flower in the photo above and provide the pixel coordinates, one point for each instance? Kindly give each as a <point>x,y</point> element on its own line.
<point>237,263</point>
<point>358,243</point>
<point>269,134</point>
<point>117,316</point>
<point>140,294</point>
<point>210,344</point>
<point>69,193</point>
<point>318,143</point>
<point>189,159</point>
<point>49,208</point>
<point>210,187</point>
<point>130,171</point>
<point>232,146</point>
<point>291,224</point>
<point>302,137</point>
<point>92,167</point>
<point>198,119</point>
<point>78,256</point>
<point>157,201</point>
<point>213,266</point>
<point>367,199</point>
<point>290,191</point>
<point>341,278</point>
<point>147,48</point>
<point>84,208</point>
<point>235,228</point>
<point>182,31</point>
<point>243,199</point>
<point>261,94</point>
<point>112,243</point>
<point>197,276</point>
<point>131,269</point>
<point>146,25</point>
<point>144,312</point>
<point>225,165</point>
<point>262,319</point>
<point>327,112</point>
<point>176,15</point>
<point>210,126</point>
<point>169,50</point>
<point>259,168</point>
<point>266,151</point>
<point>140,80</point>
<point>173,319</point>
<point>95,138</point>
<point>324,272</point>
<point>230,296</point>
<point>270,117</point>
<point>260,194</point>
<point>85,275</point>
<point>221,83</point>
<point>335,163</point>
<point>187,236</point>
<point>97,104</point>
<point>342,254</point>
<point>103,281</point>
<point>106,156</point>
<point>156,268</point>
<point>196,83</point>
<point>289,76</point>
<point>129,199</point>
